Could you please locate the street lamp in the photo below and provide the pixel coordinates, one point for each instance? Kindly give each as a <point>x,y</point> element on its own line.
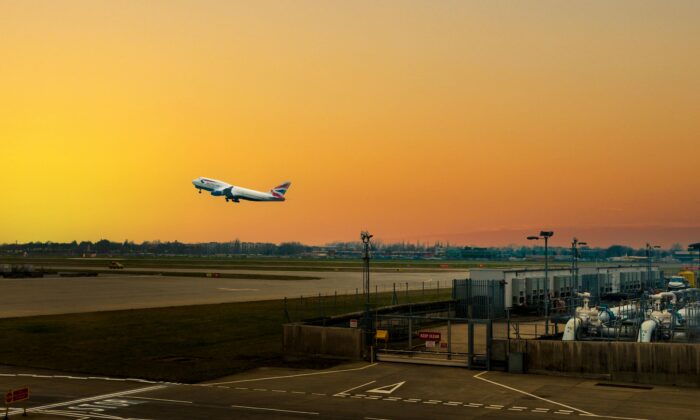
<point>366,237</point>
<point>575,244</point>
<point>545,235</point>
<point>650,256</point>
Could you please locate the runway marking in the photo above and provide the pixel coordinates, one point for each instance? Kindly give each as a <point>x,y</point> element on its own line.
<point>373,397</point>
<point>494,407</point>
<point>293,376</point>
<point>387,389</point>
<point>163,399</point>
<point>278,390</point>
<point>432,402</point>
<point>375,418</point>
<point>475,405</point>
<point>278,410</point>
<point>240,388</point>
<point>226,289</point>
<point>98,397</point>
<point>260,389</point>
<point>297,392</point>
<point>452,403</point>
<point>411,400</point>
<point>319,394</point>
<point>354,388</point>
<point>478,376</point>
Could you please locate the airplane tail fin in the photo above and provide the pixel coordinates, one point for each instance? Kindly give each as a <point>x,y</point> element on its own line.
<point>280,190</point>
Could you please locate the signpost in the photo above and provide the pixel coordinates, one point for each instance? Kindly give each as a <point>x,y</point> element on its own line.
<point>429,335</point>
<point>16,395</point>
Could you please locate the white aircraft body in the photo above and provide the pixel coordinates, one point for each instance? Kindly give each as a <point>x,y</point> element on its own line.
<point>231,192</point>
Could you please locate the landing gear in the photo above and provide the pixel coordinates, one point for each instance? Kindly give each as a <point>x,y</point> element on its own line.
<point>227,200</point>
<point>200,190</point>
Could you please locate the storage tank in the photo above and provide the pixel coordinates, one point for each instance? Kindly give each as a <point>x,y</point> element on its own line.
<point>690,276</point>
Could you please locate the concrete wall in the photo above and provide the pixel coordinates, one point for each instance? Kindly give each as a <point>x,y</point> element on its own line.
<point>649,363</point>
<point>323,341</point>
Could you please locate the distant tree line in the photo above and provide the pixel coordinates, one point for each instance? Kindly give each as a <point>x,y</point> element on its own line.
<point>236,247</point>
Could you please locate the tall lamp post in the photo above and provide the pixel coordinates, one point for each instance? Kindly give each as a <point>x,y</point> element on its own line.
<point>575,255</point>
<point>366,237</point>
<point>650,260</point>
<point>545,235</point>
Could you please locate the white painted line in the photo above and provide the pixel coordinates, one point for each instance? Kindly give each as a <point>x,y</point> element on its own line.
<point>278,390</point>
<point>223,386</point>
<point>162,399</point>
<point>240,388</point>
<point>319,394</point>
<point>522,408</point>
<point>391,398</point>
<point>515,409</point>
<point>494,407</point>
<point>387,389</point>
<point>278,410</point>
<point>559,412</point>
<point>297,392</point>
<point>260,389</point>
<point>474,404</point>
<point>293,376</point>
<point>452,403</point>
<point>412,400</point>
<point>356,396</point>
<point>354,388</point>
<point>98,397</point>
<point>478,376</point>
<point>375,418</point>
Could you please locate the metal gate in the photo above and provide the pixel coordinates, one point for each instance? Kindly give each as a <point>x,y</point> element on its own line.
<point>434,340</point>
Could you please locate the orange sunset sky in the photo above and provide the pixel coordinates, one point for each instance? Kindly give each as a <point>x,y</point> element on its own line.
<point>476,122</point>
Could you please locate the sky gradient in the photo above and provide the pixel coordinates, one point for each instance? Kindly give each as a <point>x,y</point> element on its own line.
<point>473,122</point>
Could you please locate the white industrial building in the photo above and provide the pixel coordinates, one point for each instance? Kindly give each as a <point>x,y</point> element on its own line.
<point>526,286</point>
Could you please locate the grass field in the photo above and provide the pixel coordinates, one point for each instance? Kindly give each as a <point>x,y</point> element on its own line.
<point>259,263</point>
<point>184,344</point>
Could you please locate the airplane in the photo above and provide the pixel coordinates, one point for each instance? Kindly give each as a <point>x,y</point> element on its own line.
<point>230,192</point>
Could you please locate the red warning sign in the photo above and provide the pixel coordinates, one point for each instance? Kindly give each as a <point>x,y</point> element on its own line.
<point>17,395</point>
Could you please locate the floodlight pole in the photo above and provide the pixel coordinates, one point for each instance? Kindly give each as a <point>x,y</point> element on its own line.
<point>650,260</point>
<point>575,244</point>
<point>366,237</point>
<point>545,235</point>
<point>546,285</point>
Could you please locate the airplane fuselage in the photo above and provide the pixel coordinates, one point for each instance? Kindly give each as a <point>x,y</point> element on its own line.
<point>231,192</point>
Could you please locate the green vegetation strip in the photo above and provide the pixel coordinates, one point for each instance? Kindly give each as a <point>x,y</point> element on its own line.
<point>272,263</point>
<point>183,344</point>
<point>245,276</point>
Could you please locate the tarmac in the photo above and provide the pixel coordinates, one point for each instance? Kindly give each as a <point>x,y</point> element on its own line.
<point>353,391</point>
<point>52,295</point>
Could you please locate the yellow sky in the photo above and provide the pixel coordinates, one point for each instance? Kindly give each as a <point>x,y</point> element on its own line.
<point>415,120</point>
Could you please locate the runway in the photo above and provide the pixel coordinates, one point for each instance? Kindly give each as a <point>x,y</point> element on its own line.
<point>121,290</point>
<point>353,391</point>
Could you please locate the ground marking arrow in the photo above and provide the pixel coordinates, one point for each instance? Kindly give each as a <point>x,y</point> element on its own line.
<point>387,389</point>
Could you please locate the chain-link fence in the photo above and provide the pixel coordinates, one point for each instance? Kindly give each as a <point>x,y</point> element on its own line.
<point>323,305</point>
